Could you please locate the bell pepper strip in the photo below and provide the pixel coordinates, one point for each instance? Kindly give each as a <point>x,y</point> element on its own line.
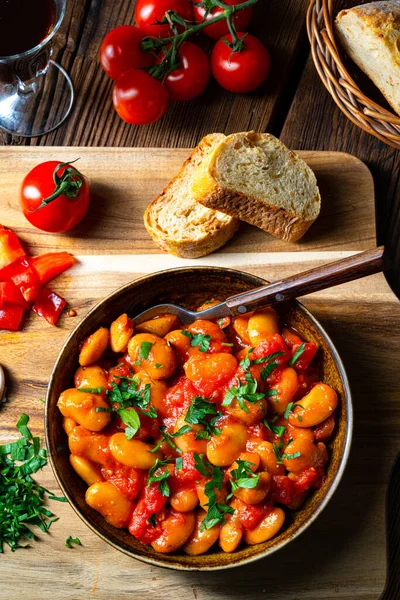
<point>10,294</point>
<point>24,277</point>
<point>47,266</point>
<point>49,305</point>
<point>10,247</point>
<point>11,317</point>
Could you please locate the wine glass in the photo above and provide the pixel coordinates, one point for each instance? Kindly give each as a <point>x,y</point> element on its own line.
<point>36,94</point>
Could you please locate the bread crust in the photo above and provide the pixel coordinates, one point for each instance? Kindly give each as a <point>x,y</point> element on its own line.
<point>274,220</point>
<point>217,230</point>
<point>382,20</point>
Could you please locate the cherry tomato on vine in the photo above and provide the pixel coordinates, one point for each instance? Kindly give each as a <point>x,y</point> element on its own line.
<point>139,98</point>
<point>243,71</point>
<point>54,196</point>
<point>149,12</point>
<point>120,51</point>
<point>241,19</point>
<point>191,78</point>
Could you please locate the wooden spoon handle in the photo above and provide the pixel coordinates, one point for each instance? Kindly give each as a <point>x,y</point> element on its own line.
<point>320,278</point>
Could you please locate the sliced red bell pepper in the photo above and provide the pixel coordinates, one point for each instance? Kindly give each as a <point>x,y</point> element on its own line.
<point>10,294</point>
<point>49,305</point>
<point>23,276</point>
<point>48,266</point>
<point>11,317</point>
<point>10,247</point>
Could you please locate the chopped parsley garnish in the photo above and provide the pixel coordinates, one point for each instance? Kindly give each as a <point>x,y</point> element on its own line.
<point>215,510</point>
<point>242,392</point>
<point>199,409</point>
<point>245,363</point>
<point>297,354</point>
<point>291,456</point>
<point>243,476</point>
<point>281,457</point>
<point>278,430</point>
<point>270,366</point>
<point>128,396</point>
<point>97,390</point>
<point>198,339</point>
<point>160,479</point>
<point>144,352</point>
<point>179,463</point>
<point>152,520</point>
<point>288,410</point>
<point>168,437</point>
<point>21,498</point>
<point>158,366</point>
<point>72,540</point>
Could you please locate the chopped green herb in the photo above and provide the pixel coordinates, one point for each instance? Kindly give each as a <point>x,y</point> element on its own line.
<point>279,430</point>
<point>72,540</point>
<point>271,364</point>
<point>131,419</point>
<point>215,510</point>
<point>144,352</point>
<point>288,410</point>
<point>128,396</point>
<point>198,339</point>
<point>152,520</point>
<point>179,463</point>
<point>245,363</point>
<point>158,366</point>
<point>21,498</point>
<point>291,456</point>
<point>161,479</point>
<point>277,454</point>
<point>242,392</point>
<point>41,400</point>
<point>243,476</point>
<point>221,322</point>
<point>200,408</point>
<point>265,359</point>
<point>97,390</point>
<point>167,437</point>
<point>227,344</point>
<point>297,354</point>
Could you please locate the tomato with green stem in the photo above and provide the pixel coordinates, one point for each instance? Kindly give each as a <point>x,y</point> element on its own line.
<point>192,74</point>
<point>240,19</point>
<point>120,51</point>
<point>54,196</point>
<point>150,13</point>
<point>240,66</point>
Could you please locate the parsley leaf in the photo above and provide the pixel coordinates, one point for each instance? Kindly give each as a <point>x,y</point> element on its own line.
<point>179,463</point>
<point>161,479</point>
<point>245,363</point>
<point>291,456</point>
<point>131,419</point>
<point>72,540</point>
<point>243,476</point>
<point>215,510</point>
<point>199,409</point>
<point>288,410</point>
<point>198,339</point>
<point>297,354</point>
<point>97,390</point>
<point>168,437</point>
<point>243,391</point>
<point>152,520</point>
<point>21,498</point>
<point>144,352</point>
<point>279,430</point>
<point>270,366</point>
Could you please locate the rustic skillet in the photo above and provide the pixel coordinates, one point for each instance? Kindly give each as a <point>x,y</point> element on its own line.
<point>190,287</point>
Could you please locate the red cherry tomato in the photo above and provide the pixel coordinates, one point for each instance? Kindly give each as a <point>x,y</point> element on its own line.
<point>62,213</point>
<point>148,13</point>
<point>242,71</point>
<point>120,51</point>
<point>193,75</point>
<point>241,19</point>
<point>139,98</point>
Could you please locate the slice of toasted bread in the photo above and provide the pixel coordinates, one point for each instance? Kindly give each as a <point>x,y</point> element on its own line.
<point>255,178</point>
<point>179,224</point>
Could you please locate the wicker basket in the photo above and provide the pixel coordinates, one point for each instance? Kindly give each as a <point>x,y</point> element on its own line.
<point>364,112</point>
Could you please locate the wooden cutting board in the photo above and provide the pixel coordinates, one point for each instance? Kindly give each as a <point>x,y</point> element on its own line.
<point>342,555</point>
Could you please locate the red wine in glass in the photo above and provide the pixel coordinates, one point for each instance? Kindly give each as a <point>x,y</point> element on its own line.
<point>24,24</point>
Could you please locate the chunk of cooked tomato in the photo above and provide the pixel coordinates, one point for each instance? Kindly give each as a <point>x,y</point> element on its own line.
<point>127,480</point>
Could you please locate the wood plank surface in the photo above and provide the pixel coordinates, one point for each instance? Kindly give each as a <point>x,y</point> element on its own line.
<point>343,554</point>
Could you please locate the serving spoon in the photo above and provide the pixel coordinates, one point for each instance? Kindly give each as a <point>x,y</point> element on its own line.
<point>321,278</point>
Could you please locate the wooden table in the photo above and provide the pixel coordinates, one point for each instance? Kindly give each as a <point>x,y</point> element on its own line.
<point>292,104</point>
